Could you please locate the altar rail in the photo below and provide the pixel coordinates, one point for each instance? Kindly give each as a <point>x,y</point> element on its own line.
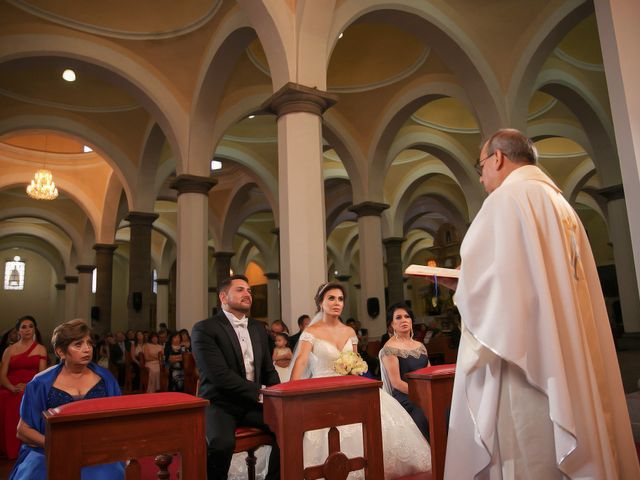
<point>105,430</point>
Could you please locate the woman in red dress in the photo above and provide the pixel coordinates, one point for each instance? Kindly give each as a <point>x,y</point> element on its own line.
<point>20,363</point>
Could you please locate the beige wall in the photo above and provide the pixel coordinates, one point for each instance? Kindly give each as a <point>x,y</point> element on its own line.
<point>38,297</point>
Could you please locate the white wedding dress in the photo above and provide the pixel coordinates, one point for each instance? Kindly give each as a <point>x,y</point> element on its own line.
<point>405,450</point>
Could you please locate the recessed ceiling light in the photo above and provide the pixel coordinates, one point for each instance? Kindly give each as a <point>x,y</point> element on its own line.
<point>69,75</point>
<point>341,35</point>
<point>87,149</point>
<point>216,165</point>
<point>252,116</point>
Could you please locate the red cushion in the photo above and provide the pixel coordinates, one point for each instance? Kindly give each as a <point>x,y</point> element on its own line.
<point>312,385</point>
<point>125,402</point>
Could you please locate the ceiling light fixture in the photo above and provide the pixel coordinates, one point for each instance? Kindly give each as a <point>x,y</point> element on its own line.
<point>216,165</point>
<point>252,116</point>
<point>42,186</point>
<point>86,149</point>
<point>341,35</point>
<point>69,75</point>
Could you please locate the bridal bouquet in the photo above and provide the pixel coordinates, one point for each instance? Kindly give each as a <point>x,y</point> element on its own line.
<point>350,363</point>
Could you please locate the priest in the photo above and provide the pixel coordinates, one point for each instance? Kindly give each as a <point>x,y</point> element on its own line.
<point>537,392</point>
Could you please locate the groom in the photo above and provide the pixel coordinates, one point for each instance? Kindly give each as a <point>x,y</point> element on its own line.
<point>232,355</point>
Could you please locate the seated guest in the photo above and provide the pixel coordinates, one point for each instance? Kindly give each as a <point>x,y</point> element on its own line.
<point>385,338</point>
<point>74,378</point>
<point>152,356</point>
<point>185,339</point>
<point>173,353</point>
<point>20,362</point>
<point>401,355</point>
<point>282,356</point>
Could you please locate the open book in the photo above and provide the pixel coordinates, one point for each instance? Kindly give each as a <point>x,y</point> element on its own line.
<point>424,271</point>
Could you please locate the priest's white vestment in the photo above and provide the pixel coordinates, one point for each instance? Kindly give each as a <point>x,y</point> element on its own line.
<point>537,392</point>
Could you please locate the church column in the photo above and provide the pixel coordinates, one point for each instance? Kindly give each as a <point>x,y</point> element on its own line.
<point>273,299</point>
<point>619,38</point>
<point>192,262</point>
<point>223,269</point>
<point>71,283</point>
<point>140,287</point>
<point>300,194</point>
<point>60,295</point>
<point>393,247</point>
<point>622,253</point>
<point>83,293</point>
<point>162,301</point>
<point>371,265</point>
<point>104,286</point>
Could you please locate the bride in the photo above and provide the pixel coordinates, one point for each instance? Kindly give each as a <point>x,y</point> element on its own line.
<point>405,450</point>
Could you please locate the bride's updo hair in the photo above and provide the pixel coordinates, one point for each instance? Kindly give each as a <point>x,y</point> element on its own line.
<point>324,288</point>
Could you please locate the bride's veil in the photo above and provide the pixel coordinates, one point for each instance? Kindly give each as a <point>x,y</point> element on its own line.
<point>307,370</point>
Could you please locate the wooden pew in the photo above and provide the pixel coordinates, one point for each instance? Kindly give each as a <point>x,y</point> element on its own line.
<point>191,374</point>
<point>431,389</point>
<point>292,408</point>
<point>105,430</point>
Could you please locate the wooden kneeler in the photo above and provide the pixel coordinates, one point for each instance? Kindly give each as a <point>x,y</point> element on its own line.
<point>292,408</point>
<point>105,430</point>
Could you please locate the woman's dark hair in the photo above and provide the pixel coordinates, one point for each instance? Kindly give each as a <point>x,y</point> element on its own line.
<point>135,337</point>
<point>68,332</point>
<point>285,336</point>
<point>174,335</point>
<point>153,334</point>
<point>324,288</point>
<point>35,325</point>
<point>397,306</point>
<point>184,330</point>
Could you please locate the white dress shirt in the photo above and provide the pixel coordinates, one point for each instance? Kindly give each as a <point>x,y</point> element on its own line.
<point>240,327</point>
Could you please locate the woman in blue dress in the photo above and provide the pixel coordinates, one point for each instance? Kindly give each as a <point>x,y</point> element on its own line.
<point>400,355</point>
<point>76,377</point>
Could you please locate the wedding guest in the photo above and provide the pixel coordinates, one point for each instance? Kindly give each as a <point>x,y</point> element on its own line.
<point>76,377</point>
<point>20,362</point>
<point>173,353</point>
<point>152,352</point>
<point>401,355</point>
<point>282,356</point>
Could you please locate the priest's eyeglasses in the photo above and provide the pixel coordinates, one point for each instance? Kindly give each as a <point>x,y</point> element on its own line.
<point>480,163</point>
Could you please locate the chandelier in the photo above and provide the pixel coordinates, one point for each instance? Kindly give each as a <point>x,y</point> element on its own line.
<point>42,186</point>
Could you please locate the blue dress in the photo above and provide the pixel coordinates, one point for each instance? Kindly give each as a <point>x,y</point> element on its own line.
<point>40,395</point>
<point>409,361</point>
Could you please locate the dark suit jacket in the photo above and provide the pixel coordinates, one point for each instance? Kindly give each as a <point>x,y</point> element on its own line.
<point>293,340</point>
<point>218,356</point>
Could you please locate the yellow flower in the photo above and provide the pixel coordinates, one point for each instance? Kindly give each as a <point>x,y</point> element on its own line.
<point>350,363</point>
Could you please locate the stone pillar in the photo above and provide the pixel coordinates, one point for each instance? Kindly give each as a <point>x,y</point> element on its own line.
<point>303,263</point>
<point>104,286</point>
<point>223,267</point>
<point>60,291</point>
<point>619,39</point>
<point>192,262</point>
<point>84,296</point>
<point>622,253</point>
<point>140,278</point>
<point>395,288</point>
<point>273,300</point>
<point>371,265</point>
<point>71,284</point>
<point>162,301</point>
